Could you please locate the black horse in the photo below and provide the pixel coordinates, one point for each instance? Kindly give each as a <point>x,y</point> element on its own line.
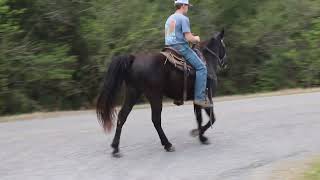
<point>151,76</point>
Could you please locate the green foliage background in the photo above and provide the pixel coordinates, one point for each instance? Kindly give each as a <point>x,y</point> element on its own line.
<point>53,53</point>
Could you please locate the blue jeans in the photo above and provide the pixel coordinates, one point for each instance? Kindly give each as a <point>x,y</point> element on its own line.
<point>199,66</point>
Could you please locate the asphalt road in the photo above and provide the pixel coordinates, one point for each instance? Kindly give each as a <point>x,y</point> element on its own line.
<point>248,139</point>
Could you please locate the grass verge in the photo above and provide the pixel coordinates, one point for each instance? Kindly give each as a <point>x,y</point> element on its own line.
<point>314,172</point>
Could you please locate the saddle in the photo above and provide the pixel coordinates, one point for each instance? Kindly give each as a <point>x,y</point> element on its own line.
<point>176,59</point>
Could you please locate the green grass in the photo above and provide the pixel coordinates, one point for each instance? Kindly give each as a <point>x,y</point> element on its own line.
<point>314,172</point>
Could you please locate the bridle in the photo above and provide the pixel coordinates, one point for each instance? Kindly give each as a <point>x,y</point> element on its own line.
<point>221,61</point>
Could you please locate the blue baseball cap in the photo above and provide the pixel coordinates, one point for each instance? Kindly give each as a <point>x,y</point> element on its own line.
<point>182,2</point>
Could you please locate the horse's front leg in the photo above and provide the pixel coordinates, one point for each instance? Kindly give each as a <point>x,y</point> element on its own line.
<point>200,131</point>
<point>212,120</point>
<point>210,113</point>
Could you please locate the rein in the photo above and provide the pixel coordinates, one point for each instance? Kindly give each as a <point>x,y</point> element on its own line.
<point>221,63</point>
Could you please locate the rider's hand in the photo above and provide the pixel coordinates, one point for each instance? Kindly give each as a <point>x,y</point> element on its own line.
<point>197,39</point>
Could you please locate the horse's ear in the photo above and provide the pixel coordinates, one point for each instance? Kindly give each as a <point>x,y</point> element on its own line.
<point>221,35</point>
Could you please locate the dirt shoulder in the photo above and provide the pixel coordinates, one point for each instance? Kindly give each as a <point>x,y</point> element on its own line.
<point>307,169</point>
<point>46,115</point>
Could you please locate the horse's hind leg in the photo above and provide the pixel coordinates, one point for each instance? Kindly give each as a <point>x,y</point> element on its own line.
<point>156,108</point>
<point>130,99</point>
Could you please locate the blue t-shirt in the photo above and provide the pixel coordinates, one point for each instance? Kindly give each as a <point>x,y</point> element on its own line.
<point>176,25</point>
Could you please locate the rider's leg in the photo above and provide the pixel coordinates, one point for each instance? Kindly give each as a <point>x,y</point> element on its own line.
<point>201,74</point>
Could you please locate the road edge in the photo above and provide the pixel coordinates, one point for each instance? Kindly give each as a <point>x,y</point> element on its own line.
<point>47,115</point>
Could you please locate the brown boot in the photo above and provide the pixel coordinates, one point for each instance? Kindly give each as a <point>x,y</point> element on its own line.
<point>204,104</point>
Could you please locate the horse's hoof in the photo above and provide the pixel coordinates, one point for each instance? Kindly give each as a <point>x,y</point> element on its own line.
<point>207,142</point>
<point>204,141</point>
<point>170,149</point>
<point>194,132</point>
<point>116,154</point>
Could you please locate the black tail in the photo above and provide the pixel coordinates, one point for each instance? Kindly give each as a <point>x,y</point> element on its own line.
<point>113,79</point>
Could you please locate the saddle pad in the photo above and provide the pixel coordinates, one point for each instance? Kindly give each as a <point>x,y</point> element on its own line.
<point>178,62</point>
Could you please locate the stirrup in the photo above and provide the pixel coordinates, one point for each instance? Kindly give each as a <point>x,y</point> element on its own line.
<point>178,102</point>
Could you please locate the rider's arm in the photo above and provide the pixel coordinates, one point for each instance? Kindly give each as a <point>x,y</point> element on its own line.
<point>187,32</point>
<point>191,38</point>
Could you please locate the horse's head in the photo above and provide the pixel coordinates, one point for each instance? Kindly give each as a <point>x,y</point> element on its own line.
<point>215,50</point>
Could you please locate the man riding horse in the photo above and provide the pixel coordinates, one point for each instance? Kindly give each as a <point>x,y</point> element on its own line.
<point>150,75</point>
<point>177,36</point>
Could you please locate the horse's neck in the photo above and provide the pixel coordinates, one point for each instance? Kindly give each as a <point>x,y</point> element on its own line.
<point>212,64</point>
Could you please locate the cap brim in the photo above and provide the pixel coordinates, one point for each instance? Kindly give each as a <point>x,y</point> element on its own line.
<point>186,4</point>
